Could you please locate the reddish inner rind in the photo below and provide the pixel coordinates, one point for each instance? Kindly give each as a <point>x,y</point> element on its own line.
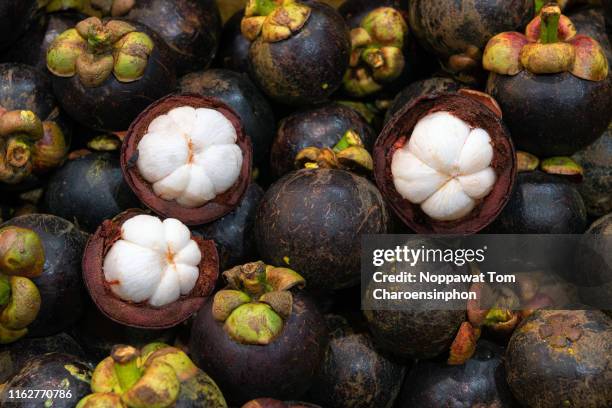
<point>143,315</point>
<point>398,131</point>
<point>211,210</point>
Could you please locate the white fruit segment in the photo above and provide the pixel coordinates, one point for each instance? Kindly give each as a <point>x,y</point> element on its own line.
<point>190,155</point>
<point>445,167</point>
<point>153,261</point>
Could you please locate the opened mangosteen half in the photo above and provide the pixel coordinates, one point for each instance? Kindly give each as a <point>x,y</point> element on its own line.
<point>188,157</point>
<point>144,272</point>
<point>446,163</point>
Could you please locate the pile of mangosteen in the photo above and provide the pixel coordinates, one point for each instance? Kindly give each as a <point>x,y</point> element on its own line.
<point>185,185</point>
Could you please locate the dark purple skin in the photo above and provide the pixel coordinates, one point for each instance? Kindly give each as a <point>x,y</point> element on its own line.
<point>15,17</point>
<point>191,28</point>
<point>322,126</point>
<point>355,374</point>
<point>312,221</point>
<point>113,105</point>
<point>418,89</point>
<point>31,48</point>
<point>15,355</point>
<point>239,92</point>
<point>23,87</point>
<point>233,233</point>
<point>607,8</point>
<point>480,382</point>
<point>51,371</point>
<point>307,67</point>
<point>552,115</point>
<point>283,369</point>
<point>61,284</point>
<point>234,47</point>
<point>542,204</point>
<point>591,21</point>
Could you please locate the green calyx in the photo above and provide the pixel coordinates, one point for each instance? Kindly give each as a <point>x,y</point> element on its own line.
<point>526,161</point>
<point>94,8</point>
<point>50,151</point>
<point>94,50</point>
<point>21,252</point>
<point>19,305</point>
<point>550,46</point>
<point>19,131</point>
<point>349,154</point>
<point>563,166</point>
<point>377,52</point>
<point>256,302</point>
<point>104,143</point>
<point>273,20</point>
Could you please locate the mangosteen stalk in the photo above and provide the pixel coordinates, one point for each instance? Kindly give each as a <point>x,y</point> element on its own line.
<point>348,154</point>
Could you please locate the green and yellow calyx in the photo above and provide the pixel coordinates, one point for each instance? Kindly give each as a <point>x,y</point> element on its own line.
<point>273,20</point>
<point>349,154</point>
<point>550,45</point>
<point>377,55</point>
<point>256,302</point>
<point>22,258</point>
<point>94,50</point>
<point>19,132</point>
<point>95,8</point>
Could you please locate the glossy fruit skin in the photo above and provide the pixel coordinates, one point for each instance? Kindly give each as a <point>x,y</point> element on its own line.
<point>61,284</point>
<point>15,17</point>
<point>31,49</point>
<point>15,355</point>
<point>479,382</point>
<point>52,371</point>
<point>282,369</point>
<point>233,233</point>
<point>240,94</point>
<point>234,47</point>
<point>113,105</point>
<point>542,204</point>
<point>321,126</point>
<point>191,28</point>
<point>355,374</point>
<point>552,115</point>
<point>88,190</point>
<point>307,67</point>
<point>541,375</point>
<point>312,221</point>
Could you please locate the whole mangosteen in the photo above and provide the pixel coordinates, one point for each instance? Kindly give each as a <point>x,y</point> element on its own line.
<point>240,94</point>
<point>300,49</point>
<point>320,127</point>
<point>67,375</point>
<point>155,376</point>
<point>15,17</point>
<point>257,336</point>
<point>355,374</point>
<point>596,160</point>
<point>233,233</point>
<point>561,358</point>
<point>480,382</point>
<point>147,273</point>
<point>542,204</point>
<point>105,73</point>
<point>457,31</point>
<point>234,47</point>
<point>552,85</point>
<point>312,221</point>
<point>88,190</point>
<point>188,157</point>
<point>60,283</point>
<point>446,163</point>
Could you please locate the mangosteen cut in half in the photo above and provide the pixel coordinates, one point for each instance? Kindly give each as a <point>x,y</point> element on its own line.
<point>446,163</point>
<point>144,272</point>
<point>188,157</point>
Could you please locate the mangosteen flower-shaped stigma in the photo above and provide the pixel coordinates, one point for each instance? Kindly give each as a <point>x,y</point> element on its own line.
<point>94,50</point>
<point>256,302</point>
<point>153,261</point>
<point>349,154</point>
<point>550,46</point>
<point>19,132</point>
<point>21,259</point>
<point>445,167</point>
<point>190,155</point>
<point>377,51</point>
<point>274,20</point>
<point>158,376</point>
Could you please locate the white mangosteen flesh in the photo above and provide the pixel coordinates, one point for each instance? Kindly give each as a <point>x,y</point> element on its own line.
<point>190,155</point>
<point>445,167</point>
<point>153,261</point>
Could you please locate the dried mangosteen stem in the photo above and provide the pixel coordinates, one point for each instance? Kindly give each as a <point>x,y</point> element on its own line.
<point>550,16</point>
<point>126,365</point>
<point>21,252</point>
